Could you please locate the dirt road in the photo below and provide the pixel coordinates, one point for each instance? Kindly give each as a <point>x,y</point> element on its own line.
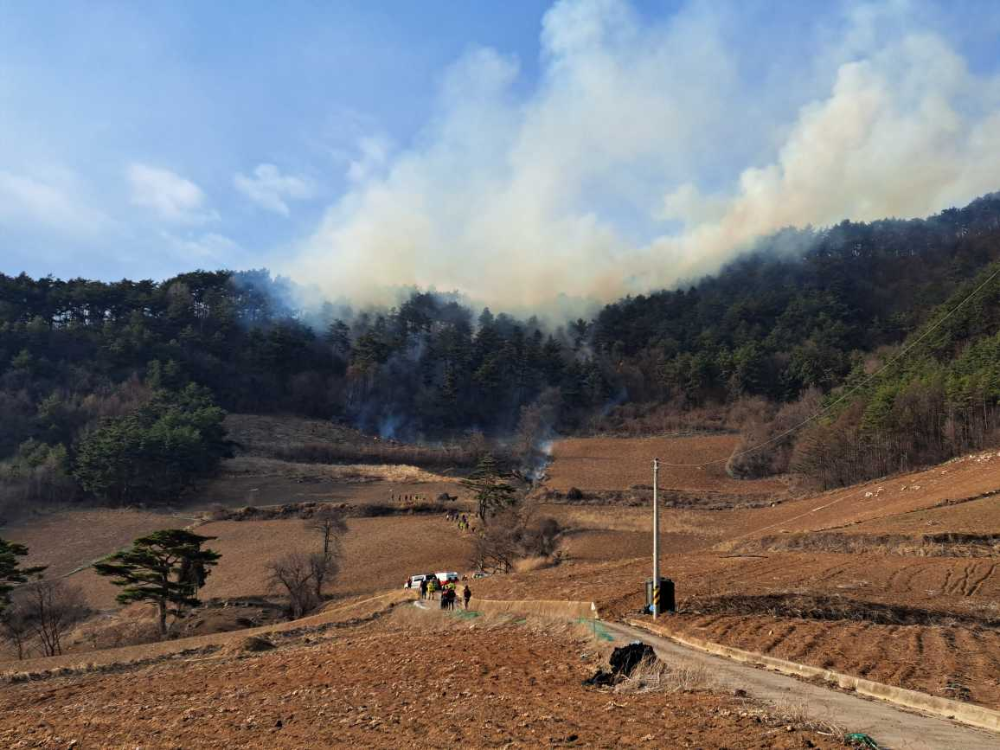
<point>891,727</point>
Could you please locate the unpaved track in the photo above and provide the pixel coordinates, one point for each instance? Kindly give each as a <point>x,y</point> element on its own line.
<point>893,728</point>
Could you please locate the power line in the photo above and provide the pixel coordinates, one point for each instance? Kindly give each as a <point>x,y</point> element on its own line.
<point>906,350</point>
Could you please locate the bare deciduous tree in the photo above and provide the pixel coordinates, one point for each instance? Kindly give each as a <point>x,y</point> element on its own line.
<point>53,609</point>
<point>294,575</point>
<point>514,534</point>
<point>331,525</point>
<point>15,627</point>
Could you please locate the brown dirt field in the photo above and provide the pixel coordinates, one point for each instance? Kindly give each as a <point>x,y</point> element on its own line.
<point>609,546</point>
<point>341,613</point>
<point>607,532</point>
<point>379,553</point>
<point>619,463</point>
<point>975,517</point>
<point>68,539</point>
<point>948,661</point>
<point>952,482</point>
<point>373,686</point>
<point>264,481</point>
<point>952,585</point>
<point>239,491</point>
<point>957,660</point>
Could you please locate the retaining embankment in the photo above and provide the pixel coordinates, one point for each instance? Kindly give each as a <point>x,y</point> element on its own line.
<point>562,609</point>
<point>334,612</point>
<point>965,713</point>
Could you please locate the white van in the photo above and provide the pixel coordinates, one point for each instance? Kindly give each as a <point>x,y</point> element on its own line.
<point>415,581</point>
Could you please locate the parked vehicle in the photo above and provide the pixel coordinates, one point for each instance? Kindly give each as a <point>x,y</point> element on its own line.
<point>445,578</point>
<point>417,579</point>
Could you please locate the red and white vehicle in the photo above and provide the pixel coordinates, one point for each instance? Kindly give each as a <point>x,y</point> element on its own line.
<point>446,578</point>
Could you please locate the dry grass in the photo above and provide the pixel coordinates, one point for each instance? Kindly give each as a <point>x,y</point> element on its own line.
<point>653,675</point>
<point>396,473</point>
<point>529,564</point>
<point>802,716</point>
<point>635,519</point>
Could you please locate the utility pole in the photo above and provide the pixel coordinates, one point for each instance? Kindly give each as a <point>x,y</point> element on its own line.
<point>656,538</point>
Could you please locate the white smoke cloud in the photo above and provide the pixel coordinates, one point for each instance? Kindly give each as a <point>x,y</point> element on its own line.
<point>515,199</point>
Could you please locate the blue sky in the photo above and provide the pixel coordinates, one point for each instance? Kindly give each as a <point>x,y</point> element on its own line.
<point>206,91</point>
<point>511,150</point>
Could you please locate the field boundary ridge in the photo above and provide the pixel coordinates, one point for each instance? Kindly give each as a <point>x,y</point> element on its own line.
<point>156,650</point>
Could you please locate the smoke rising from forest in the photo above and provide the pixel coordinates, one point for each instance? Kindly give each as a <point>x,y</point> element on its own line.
<point>651,153</point>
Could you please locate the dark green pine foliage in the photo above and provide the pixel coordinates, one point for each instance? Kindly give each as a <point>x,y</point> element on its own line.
<point>11,571</point>
<point>157,452</point>
<point>166,568</point>
<point>796,313</point>
<point>940,399</point>
<point>490,487</point>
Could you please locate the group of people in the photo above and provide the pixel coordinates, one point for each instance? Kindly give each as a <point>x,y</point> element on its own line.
<point>461,519</point>
<point>429,587</point>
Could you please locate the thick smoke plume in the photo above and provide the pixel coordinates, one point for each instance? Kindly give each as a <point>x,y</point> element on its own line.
<point>650,154</point>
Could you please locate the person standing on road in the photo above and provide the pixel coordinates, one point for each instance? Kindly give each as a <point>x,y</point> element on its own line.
<point>466,595</point>
<point>423,589</point>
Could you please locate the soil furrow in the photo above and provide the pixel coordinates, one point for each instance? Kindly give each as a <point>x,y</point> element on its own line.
<point>978,584</point>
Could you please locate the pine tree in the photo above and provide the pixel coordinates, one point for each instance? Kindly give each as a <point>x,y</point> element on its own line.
<point>166,568</point>
<point>11,572</point>
<point>492,492</point>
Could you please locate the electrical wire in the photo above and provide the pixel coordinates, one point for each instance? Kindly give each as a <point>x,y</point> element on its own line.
<point>906,350</point>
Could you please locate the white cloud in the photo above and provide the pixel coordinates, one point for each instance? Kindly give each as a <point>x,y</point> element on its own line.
<point>210,247</point>
<point>172,197</point>
<point>52,198</point>
<point>270,189</point>
<point>513,199</point>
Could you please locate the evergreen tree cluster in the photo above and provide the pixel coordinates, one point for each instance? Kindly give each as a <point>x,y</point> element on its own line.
<point>82,362</point>
<point>798,311</point>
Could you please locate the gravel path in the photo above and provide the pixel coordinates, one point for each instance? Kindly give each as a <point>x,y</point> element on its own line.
<point>891,727</point>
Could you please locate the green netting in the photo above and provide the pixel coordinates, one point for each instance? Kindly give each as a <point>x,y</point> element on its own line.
<point>597,628</point>
<point>465,614</point>
<point>859,739</point>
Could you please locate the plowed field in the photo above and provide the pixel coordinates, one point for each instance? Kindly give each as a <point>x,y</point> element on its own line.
<point>945,660</point>
<point>375,685</point>
<point>67,540</point>
<point>620,463</point>
<point>929,624</point>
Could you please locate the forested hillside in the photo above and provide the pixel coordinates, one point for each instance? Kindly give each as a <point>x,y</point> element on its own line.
<point>800,313</point>
<point>938,395</point>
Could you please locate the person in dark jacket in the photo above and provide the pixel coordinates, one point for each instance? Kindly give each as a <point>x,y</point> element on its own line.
<point>466,595</point>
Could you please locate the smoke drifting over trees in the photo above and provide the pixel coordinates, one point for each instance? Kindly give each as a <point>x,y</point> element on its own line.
<point>774,325</point>
<point>649,154</point>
